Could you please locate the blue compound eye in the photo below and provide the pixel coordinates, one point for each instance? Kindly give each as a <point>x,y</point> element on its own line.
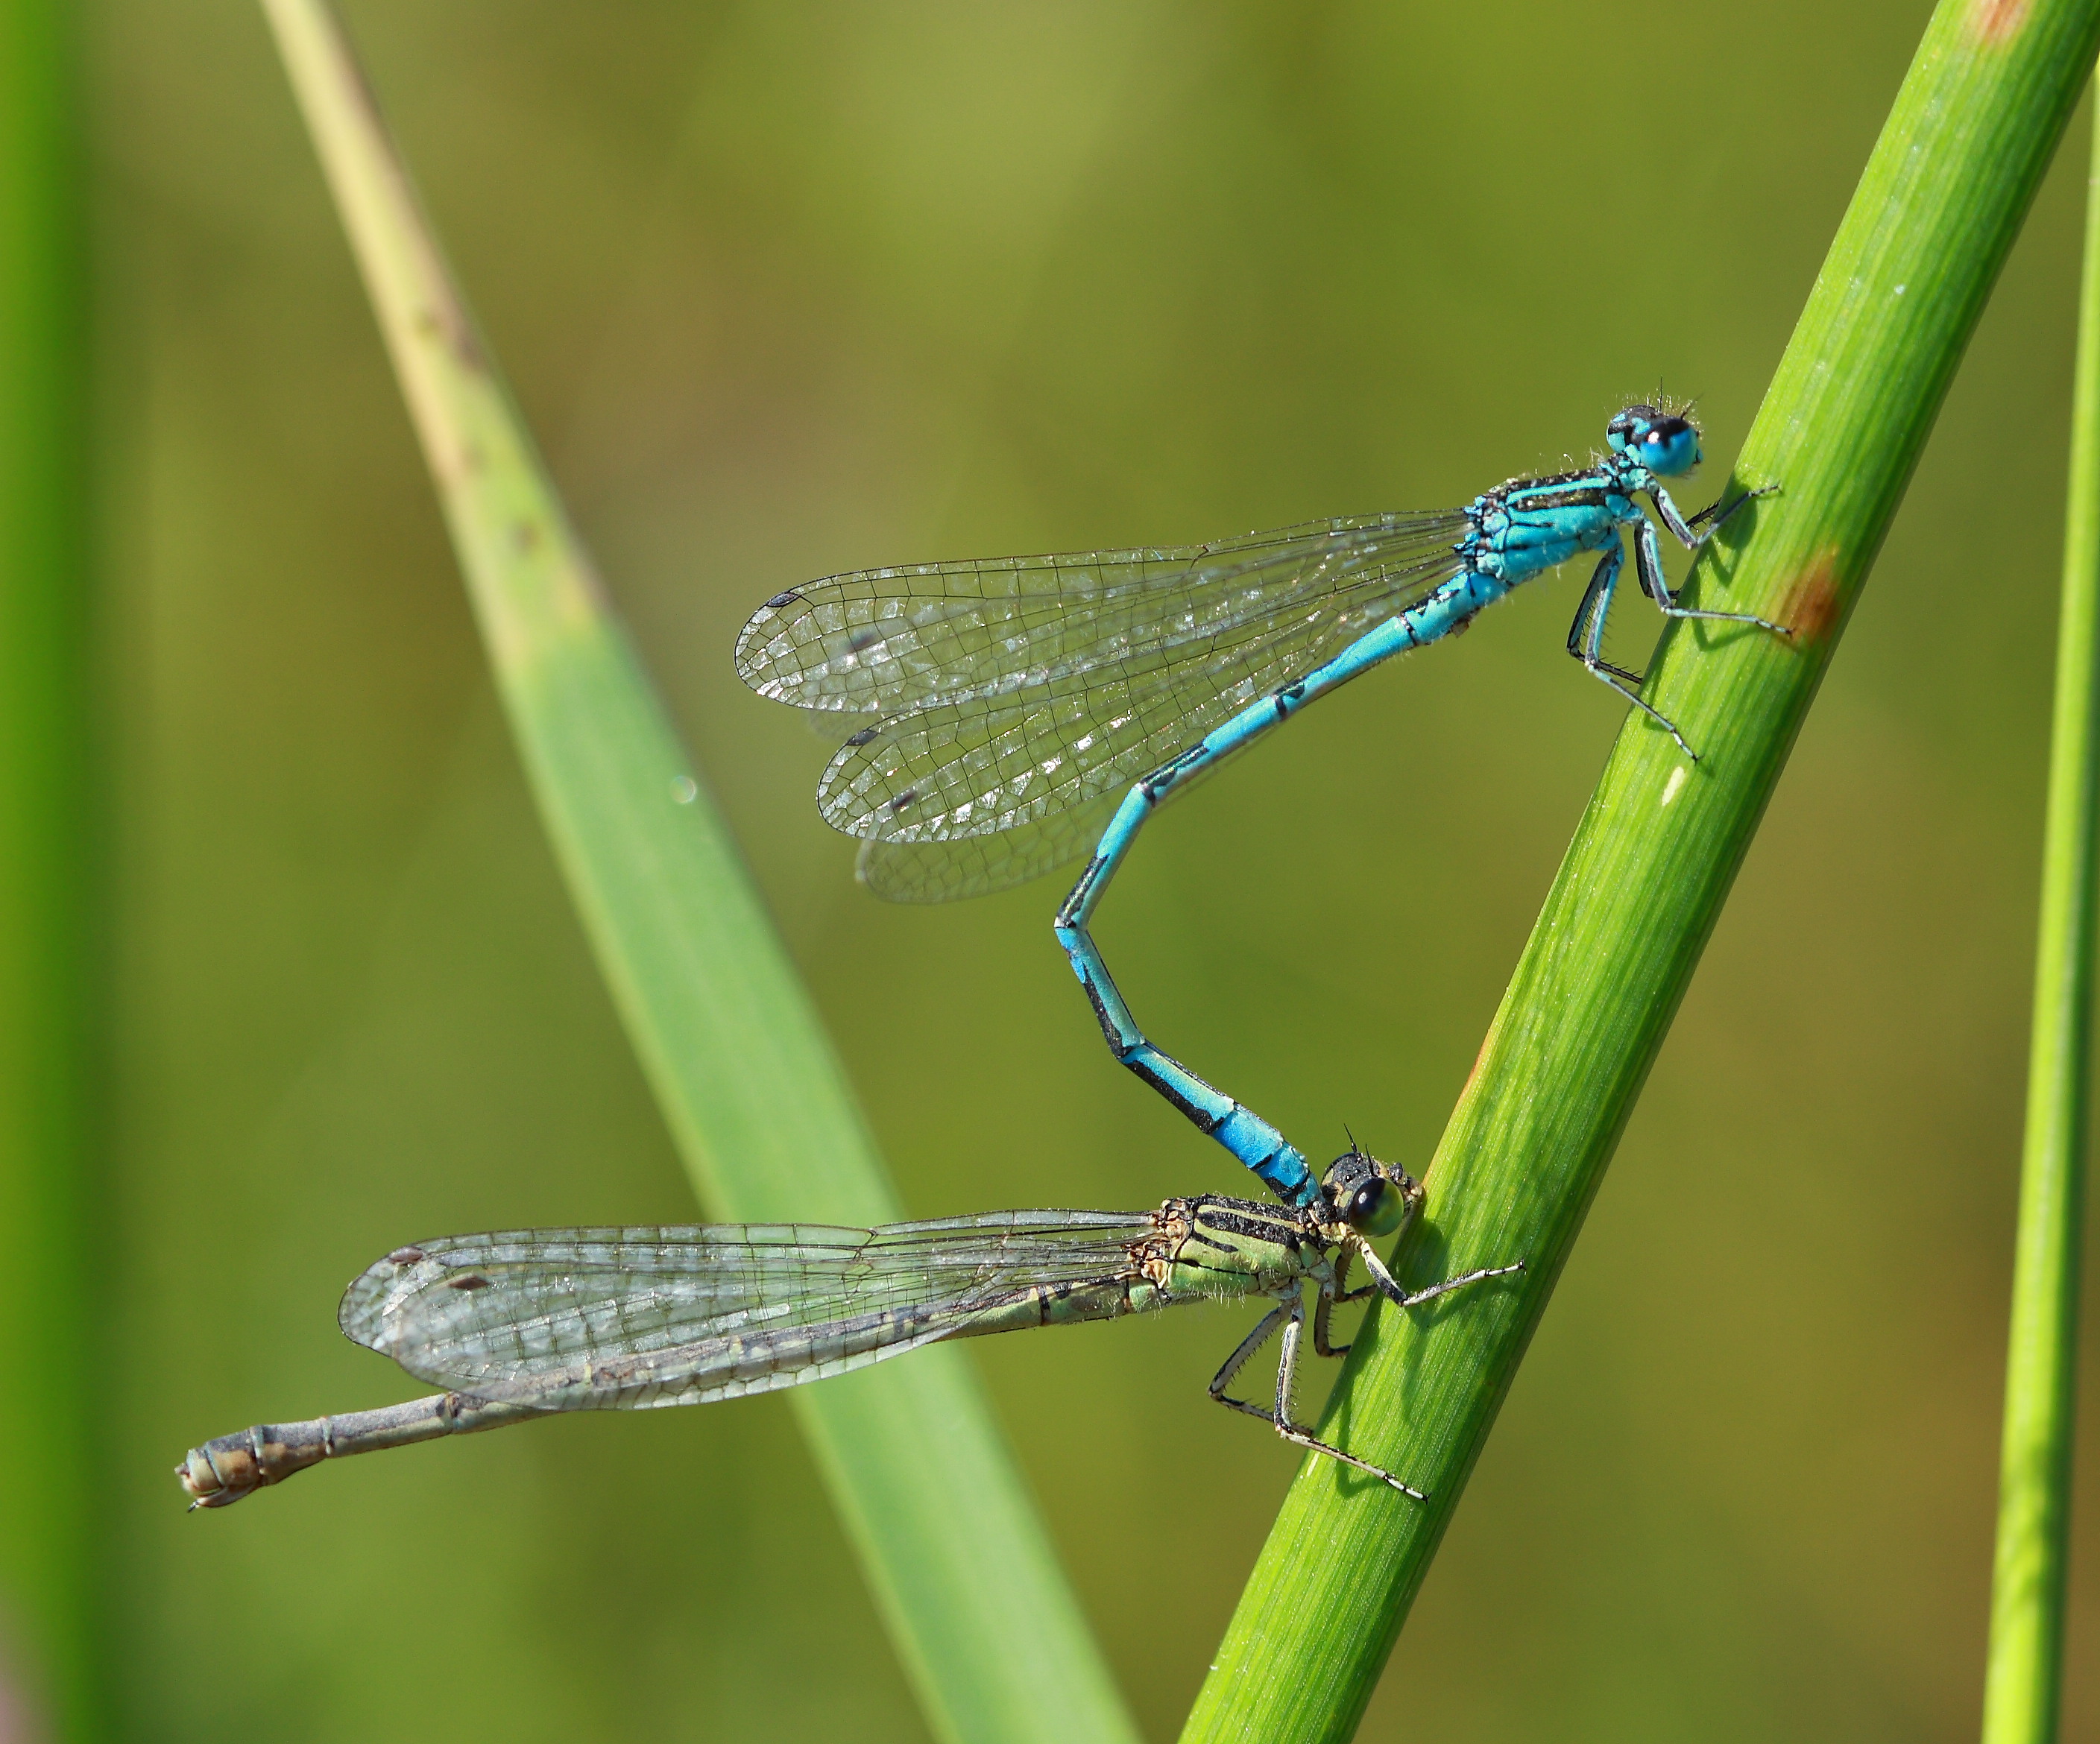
<point>1668,447</point>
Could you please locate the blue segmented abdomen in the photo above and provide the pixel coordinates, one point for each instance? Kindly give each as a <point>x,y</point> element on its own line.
<point>1454,605</point>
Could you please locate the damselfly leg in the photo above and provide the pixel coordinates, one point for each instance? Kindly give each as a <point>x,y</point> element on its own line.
<point>1585,635</point>
<point>1289,1315</point>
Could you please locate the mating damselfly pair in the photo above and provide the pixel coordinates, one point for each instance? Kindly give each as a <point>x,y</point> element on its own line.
<point>1020,710</point>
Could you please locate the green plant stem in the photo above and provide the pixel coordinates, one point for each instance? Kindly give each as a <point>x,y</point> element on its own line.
<point>754,1097</point>
<point>1943,196</point>
<point>47,1541</point>
<point>2023,1686</point>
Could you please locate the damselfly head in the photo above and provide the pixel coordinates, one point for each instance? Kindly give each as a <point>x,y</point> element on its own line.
<point>1372,1197</point>
<point>1666,442</point>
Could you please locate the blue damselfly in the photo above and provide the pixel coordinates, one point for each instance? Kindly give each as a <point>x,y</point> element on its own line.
<point>1020,710</point>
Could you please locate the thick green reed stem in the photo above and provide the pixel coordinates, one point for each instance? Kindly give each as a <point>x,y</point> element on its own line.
<point>48,1543</point>
<point>2024,1686</point>
<point>989,1632</point>
<point>1943,197</point>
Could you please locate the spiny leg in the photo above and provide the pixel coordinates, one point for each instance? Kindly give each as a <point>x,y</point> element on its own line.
<point>1381,1283</point>
<point>1290,1315</point>
<point>1324,1309</point>
<point>1384,1283</point>
<point>1585,638</point>
<point>1585,635</point>
<point>1229,1371</point>
<point>1648,555</point>
<point>1299,1436</point>
<point>1718,511</point>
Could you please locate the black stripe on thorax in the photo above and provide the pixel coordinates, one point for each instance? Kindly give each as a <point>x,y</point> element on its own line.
<point>1580,496</point>
<point>1261,1226</point>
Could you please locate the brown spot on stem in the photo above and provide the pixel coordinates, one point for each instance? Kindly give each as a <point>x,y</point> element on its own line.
<point>1812,602</point>
<point>1997,22</point>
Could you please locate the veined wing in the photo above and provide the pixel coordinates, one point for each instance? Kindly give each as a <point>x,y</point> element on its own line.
<point>578,1318</point>
<point>962,774</point>
<point>944,870</point>
<point>883,641</point>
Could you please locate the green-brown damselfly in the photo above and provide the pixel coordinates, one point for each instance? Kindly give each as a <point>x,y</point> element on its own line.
<point>519,1324</point>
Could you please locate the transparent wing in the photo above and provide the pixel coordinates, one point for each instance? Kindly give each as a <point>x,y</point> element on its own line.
<point>943,870</point>
<point>577,1318</point>
<point>883,641</point>
<point>955,771</point>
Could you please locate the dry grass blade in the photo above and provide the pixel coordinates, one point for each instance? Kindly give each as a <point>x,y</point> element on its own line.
<point>746,1078</point>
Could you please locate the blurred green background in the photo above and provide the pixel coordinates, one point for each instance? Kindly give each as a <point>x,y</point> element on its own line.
<point>787,289</point>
